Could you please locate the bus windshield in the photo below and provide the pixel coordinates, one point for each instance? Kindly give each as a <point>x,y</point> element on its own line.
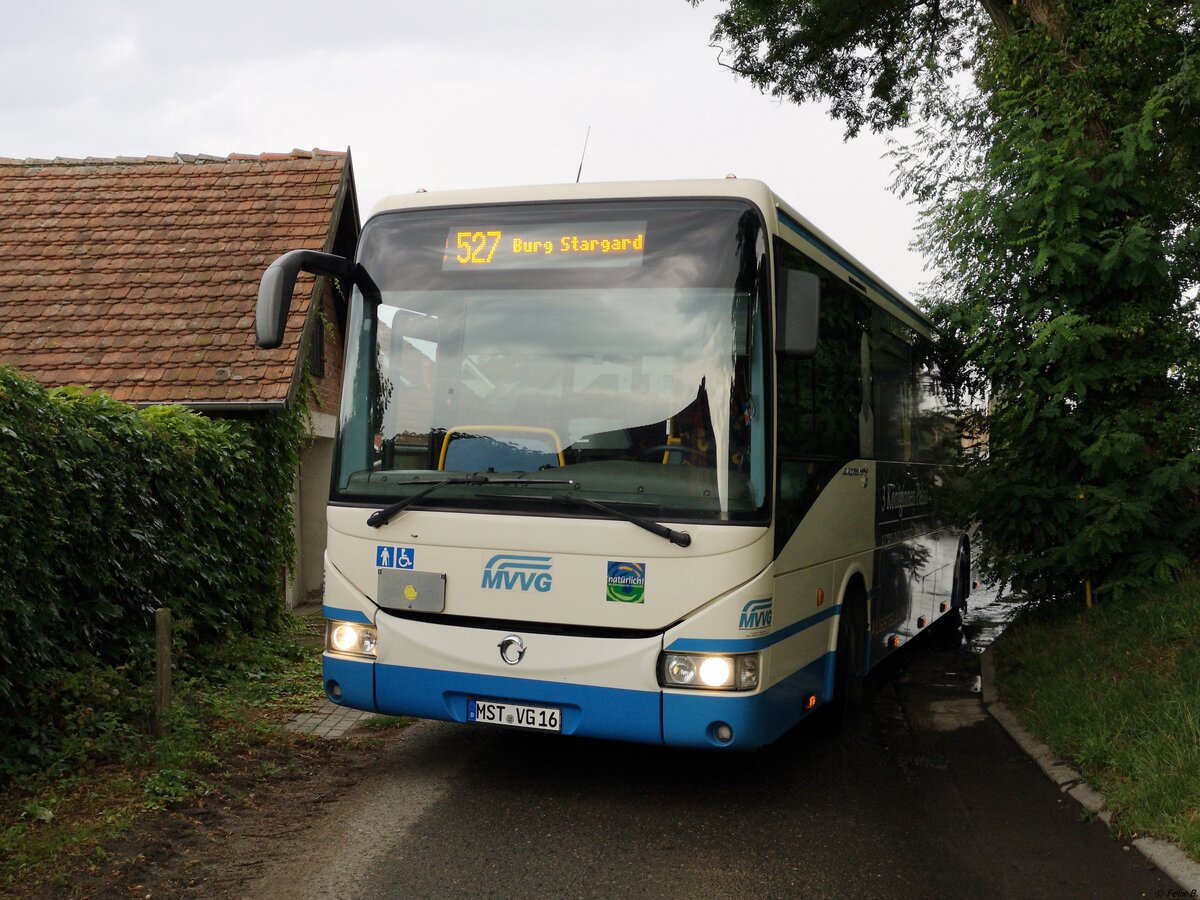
<point>600,351</point>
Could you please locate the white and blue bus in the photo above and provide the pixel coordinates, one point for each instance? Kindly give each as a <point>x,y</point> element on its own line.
<point>654,462</point>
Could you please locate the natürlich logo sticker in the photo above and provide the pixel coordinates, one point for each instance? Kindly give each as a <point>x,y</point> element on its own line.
<point>626,582</point>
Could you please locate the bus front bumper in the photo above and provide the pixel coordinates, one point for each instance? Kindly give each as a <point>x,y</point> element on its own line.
<point>694,719</point>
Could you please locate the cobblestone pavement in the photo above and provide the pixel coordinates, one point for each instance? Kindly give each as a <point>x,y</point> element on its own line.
<point>328,721</point>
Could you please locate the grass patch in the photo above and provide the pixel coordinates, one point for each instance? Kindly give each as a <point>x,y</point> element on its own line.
<point>1116,689</point>
<point>385,723</point>
<point>57,811</point>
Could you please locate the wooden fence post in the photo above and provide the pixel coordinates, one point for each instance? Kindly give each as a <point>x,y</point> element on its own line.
<point>162,669</point>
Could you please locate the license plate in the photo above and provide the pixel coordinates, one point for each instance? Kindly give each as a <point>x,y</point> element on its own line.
<point>514,715</point>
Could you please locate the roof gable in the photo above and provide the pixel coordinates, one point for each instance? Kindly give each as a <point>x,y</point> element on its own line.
<point>139,276</point>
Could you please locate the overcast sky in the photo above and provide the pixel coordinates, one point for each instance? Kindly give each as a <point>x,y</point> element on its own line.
<point>439,94</point>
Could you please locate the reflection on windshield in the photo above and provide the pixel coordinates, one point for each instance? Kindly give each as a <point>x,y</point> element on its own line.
<point>649,389</point>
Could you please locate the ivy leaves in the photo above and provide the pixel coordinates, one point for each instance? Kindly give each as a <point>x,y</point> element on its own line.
<point>110,512</point>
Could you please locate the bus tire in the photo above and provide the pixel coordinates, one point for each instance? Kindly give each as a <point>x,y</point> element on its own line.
<point>847,669</point>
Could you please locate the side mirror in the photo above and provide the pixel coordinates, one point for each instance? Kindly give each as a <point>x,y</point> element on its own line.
<point>275,289</point>
<point>797,312</point>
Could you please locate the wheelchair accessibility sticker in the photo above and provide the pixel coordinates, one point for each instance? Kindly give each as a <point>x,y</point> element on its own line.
<point>394,557</point>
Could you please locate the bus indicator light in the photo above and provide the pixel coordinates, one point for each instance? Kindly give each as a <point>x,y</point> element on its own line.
<point>681,670</point>
<point>747,677</point>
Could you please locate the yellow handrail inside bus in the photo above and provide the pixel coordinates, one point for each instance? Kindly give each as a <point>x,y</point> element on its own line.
<point>667,453</point>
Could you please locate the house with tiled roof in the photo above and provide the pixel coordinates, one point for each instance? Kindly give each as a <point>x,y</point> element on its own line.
<point>138,277</point>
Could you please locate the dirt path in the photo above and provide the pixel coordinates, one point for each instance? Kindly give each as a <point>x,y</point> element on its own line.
<point>269,816</point>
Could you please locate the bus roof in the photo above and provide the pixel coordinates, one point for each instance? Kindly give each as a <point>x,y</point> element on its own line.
<point>783,219</point>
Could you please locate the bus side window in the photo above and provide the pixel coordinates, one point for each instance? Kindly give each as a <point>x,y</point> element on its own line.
<point>939,437</point>
<point>891,364</point>
<point>820,400</point>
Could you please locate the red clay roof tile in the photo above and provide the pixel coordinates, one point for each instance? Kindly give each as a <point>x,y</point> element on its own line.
<point>138,276</point>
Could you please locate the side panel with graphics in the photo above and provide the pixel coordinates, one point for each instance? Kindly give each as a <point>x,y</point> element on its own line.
<point>834,543</point>
<point>886,516</point>
<point>840,522</point>
<point>914,567</point>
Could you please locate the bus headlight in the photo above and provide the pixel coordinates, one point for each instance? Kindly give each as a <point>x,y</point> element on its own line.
<point>711,671</point>
<point>351,638</point>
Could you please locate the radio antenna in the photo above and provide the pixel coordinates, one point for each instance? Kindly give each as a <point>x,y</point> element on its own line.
<point>583,154</point>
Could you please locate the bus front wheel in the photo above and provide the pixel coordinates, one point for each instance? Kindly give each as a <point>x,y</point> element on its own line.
<point>847,671</point>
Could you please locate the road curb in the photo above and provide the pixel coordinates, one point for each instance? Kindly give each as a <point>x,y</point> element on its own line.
<point>1166,855</point>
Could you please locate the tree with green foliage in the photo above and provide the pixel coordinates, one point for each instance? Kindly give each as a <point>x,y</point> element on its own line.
<point>1057,160</point>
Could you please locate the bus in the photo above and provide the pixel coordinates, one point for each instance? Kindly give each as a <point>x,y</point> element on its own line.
<point>654,462</point>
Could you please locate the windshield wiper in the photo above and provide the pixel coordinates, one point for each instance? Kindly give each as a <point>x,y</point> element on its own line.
<point>679,538</point>
<point>383,516</point>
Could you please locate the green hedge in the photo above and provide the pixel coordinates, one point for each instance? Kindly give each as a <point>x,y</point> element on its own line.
<point>108,512</point>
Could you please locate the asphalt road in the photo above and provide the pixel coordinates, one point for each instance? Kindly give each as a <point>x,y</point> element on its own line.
<point>921,795</point>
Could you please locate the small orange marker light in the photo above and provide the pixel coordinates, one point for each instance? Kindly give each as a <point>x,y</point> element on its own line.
<point>894,640</point>
<point>810,702</point>
<point>945,606</point>
<point>820,596</point>
<point>922,621</point>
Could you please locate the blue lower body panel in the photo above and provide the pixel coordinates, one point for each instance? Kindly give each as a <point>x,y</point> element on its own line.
<point>676,718</point>
<point>350,682</point>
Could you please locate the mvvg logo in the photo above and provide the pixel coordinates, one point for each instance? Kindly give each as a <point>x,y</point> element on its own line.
<point>756,614</point>
<point>505,572</point>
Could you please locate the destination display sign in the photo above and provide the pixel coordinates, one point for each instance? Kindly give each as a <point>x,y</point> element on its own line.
<point>481,246</point>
